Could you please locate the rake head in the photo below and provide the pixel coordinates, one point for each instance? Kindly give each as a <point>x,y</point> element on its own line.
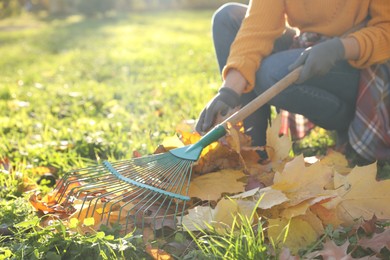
<point>142,192</point>
<point>147,191</point>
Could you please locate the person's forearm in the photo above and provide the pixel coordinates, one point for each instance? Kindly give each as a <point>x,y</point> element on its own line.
<point>351,47</point>
<point>235,81</point>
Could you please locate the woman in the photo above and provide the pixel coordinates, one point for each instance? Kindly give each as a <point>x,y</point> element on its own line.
<point>246,41</point>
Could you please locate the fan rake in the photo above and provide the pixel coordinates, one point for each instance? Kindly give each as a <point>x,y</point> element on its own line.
<point>147,191</point>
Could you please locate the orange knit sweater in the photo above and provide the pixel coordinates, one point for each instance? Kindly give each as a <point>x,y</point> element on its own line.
<point>266,19</point>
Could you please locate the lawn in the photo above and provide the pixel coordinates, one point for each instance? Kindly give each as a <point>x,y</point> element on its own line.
<point>76,91</point>
<point>101,88</point>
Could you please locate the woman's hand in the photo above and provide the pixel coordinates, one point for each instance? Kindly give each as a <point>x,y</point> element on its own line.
<point>227,98</point>
<point>319,59</point>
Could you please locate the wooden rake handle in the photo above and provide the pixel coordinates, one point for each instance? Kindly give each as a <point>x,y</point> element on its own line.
<point>264,98</point>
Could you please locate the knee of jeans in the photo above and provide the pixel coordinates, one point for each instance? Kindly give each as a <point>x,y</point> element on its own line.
<point>265,78</point>
<point>225,14</point>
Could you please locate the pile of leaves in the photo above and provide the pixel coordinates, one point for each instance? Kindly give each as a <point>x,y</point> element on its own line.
<point>298,199</point>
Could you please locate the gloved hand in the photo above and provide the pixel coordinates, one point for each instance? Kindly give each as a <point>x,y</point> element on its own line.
<point>220,104</point>
<point>319,59</point>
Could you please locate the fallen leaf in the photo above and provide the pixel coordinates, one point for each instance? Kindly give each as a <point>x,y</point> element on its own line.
<point>198,218</point>
<point>337,161</point>
<point>280,146</point>
<point>227,211</point>
<point>210,186</point>
<point>295,233</point>
<point>377,241</point>
<point>158,254</point>
<point>332,251</point>
<point>172,143</point>
<point>301,183</point>
<point>361,195</point>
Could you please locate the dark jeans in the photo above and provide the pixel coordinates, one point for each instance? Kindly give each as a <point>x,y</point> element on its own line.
<point>328,101</point>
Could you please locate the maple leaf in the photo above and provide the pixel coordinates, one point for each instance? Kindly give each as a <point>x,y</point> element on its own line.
<point>268,197</point>
<point>361,195</point>
<point>337,161</point>
<point>301,183</point>
<point>327,216</point>
<point>227,210</point>
<point>377,241</point>
<point>198,218</point>
<point>295,233</point>
<point>280,146</point>
<point>211,187</point>
<point>172,143</point>
<point>332,251</point>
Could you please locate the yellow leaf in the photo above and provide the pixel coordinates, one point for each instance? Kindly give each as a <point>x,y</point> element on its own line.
<point>301,183</point>
<point>337,161</point>
<point>172,142</point>
<point>233,133</point>
<point>211,186</point>
<point>158,254</point>
<point>297,210</point>
<point>280,146</point>
<point>224,214</point>
<point>296,233</point>
<point>362,196</point>
<point>268,197</point>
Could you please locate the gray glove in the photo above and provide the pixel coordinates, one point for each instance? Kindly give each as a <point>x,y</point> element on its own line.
<point>319,59</point>
<point>220,104</point>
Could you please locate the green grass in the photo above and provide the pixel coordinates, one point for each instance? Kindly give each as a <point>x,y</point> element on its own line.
<point>74,91</point>
<point>101,88</point>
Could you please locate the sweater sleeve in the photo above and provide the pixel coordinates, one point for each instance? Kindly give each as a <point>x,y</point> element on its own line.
<point>263,23</point>
<point>374,40</point>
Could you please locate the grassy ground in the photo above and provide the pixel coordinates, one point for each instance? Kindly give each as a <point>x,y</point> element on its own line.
<point>74,91</point>
<point>103,87</point>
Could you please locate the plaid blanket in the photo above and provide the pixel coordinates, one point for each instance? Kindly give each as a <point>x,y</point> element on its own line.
<point>369,131</point>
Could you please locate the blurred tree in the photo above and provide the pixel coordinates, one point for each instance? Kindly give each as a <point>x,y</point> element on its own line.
<point>94,7</point>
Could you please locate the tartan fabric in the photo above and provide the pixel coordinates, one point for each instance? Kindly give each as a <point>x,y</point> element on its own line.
<point>369,131</point>
<point>296,125</point>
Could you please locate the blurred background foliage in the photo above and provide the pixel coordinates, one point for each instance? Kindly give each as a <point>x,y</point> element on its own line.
<point>100,7</point>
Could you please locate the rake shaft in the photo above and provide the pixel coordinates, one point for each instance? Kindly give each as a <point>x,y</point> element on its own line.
<point>150,190</point>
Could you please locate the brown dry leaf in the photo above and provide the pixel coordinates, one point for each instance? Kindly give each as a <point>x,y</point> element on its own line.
<point>197,218</point>
<point>332,251</point>
<point>158,254</point>
<point>42,204</point>
<point>285,254</point>
<point>361,195</point>
<point>327,216</point>
<point>216,157</point>
<point>211,186</point>
<point>377,241</point>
